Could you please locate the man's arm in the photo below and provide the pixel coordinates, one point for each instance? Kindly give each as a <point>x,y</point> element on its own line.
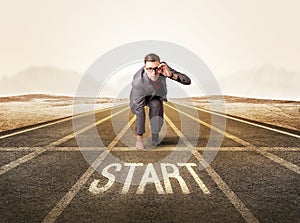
<point>137,95</point>
<point>173,74</point>
<point>182,78</point>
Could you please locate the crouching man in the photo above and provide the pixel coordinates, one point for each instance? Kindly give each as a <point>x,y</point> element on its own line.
<point>149,88</point>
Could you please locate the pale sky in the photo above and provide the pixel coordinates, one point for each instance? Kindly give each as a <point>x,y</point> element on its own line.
<point>228,35</point>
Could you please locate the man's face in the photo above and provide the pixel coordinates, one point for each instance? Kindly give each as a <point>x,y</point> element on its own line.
<point>152,70</point>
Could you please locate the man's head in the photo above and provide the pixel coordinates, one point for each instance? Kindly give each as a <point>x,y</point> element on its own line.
<point>152,61</point>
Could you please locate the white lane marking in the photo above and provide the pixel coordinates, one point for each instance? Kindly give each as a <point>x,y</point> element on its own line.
<point>53,123</point>
<point>280,149</point>
<point>236,139</point>
<point>280,161</point>
<point>15,163</point>
<point>158,149</point>
<point>174,174</point>
<point>195,176</point>
<point>229,149</point>
<point>250,146</point>
<point>66,200</point>
<point>34,154</point>
<point>18,149</point>
<point>244,121</point>
<point>238,204</point>
<point>72,135</point>
<point>36,127</point>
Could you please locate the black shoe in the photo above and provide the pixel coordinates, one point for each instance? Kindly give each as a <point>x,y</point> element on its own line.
<point>155,139</point>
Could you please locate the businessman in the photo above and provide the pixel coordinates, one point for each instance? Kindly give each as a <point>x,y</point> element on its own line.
<point>149,88</point>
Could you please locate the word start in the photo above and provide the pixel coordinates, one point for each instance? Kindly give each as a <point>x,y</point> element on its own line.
<point>149,176</point>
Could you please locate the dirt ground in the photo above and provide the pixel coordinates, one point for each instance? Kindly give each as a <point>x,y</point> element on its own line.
<point>19,111</point>
<point>275,112</point>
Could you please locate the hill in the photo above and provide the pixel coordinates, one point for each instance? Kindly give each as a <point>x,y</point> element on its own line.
<point>264,82</point>
<point>49,80</point>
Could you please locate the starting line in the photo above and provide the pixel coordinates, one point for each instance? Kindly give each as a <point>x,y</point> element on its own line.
<point>158,149</point>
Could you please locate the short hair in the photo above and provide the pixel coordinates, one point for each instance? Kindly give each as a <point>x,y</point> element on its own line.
<point>151,58</point>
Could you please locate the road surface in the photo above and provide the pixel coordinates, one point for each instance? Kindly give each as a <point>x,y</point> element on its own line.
<point>86,169</point>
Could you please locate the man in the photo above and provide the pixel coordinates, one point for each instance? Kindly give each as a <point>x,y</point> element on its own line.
<point>149,89</point>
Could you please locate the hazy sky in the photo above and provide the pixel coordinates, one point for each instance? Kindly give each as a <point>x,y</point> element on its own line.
<point>228,35</point>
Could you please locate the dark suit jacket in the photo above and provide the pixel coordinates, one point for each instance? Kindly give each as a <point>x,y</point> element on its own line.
<point>143,89</point>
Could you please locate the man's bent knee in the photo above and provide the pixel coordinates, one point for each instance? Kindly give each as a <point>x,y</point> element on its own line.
<point>155,104</point>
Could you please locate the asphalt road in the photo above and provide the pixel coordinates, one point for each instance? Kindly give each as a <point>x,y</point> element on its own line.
<point>86,169</point>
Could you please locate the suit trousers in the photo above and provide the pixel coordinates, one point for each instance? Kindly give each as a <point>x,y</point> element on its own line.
<point>156,115</point>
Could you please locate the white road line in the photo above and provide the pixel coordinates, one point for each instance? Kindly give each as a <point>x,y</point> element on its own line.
<point>236,139</point>
<point>238,204</point>
<point>186,142</point>
<point>18,149</point>
<point>34,128</point>
<point>15,163</point>
<point>158,149</point>
<point>280,149</point>
<point>266,154</point>
<point>279,160</point>
<point>244,121</point>
<point>53,123</point>
<point>66,200</point>
<point>195,176</point>
<point>36,153</point>
<point>71,136</point>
